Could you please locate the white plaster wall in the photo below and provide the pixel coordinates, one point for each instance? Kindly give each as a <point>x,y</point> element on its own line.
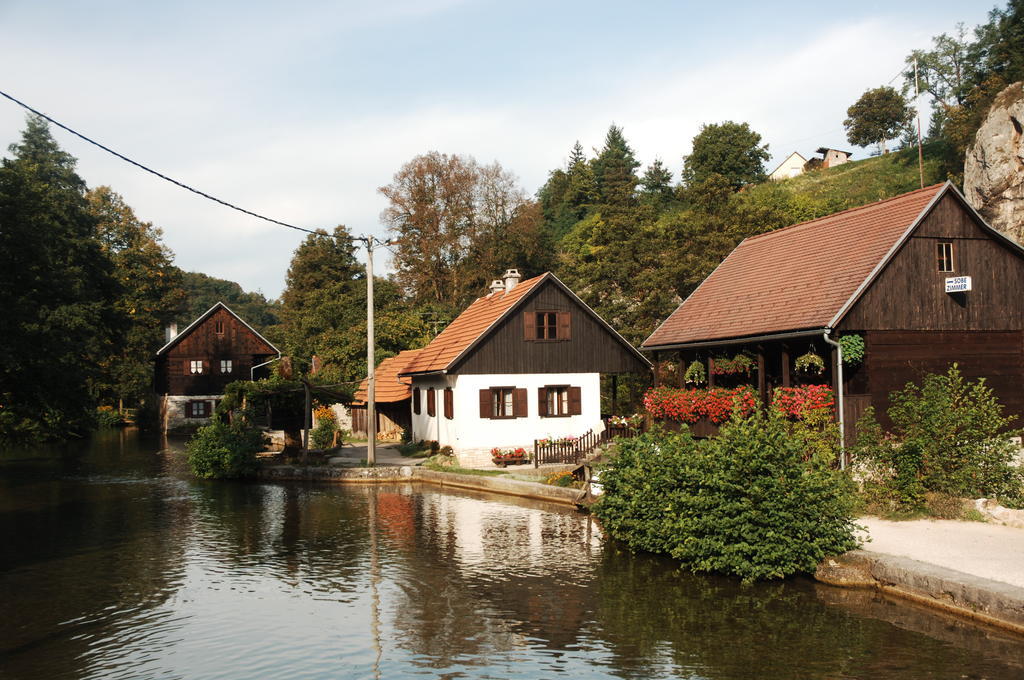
<point>791,167</point>
<point>473,437</point>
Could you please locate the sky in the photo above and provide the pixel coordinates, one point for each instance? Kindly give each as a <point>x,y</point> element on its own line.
<point>301,111</point>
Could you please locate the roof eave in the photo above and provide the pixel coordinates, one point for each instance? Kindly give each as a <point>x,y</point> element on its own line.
<point>738,340</point>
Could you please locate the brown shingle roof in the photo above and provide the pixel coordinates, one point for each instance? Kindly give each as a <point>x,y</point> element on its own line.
<point>389,387</point>
<point>794,278</point>
<point>468,327</point>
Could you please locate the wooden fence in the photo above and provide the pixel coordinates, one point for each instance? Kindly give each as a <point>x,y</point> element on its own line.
<point>574,451</point>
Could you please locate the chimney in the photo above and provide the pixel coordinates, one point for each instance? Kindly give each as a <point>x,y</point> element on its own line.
<point>511,279</point>
<point>496,286</point>
<point>172,331</point>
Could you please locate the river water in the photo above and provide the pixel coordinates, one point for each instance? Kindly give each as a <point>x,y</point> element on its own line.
<point>114,563</point>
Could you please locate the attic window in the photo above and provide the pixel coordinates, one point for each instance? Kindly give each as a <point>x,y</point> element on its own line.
<point>218,327</point>
<point>945,256</point>
<point>547,326</point>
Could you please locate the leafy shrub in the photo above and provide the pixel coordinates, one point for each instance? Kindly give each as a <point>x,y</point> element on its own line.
<point>322,435</point>
<point>949,436</point>
<point>745,503</point>
<point>563,478</point>
<point>223,451</point>
<point>106,416</point>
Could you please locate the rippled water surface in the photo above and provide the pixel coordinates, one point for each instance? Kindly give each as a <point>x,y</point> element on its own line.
<point>115,564</point>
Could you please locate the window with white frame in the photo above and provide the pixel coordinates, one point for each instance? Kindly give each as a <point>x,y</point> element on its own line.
<point>225,365</point>
<point>195,366</point>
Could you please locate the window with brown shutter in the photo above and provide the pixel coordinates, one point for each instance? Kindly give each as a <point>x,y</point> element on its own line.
<point>575,401</point>
<point>564,326</point>
<point>547,325</point>
<point>449,403</point>
<point>431,405</point>
<point>542,401</point>
<point>503,402</point>
<point>416,400</point>
<point>555,401</point>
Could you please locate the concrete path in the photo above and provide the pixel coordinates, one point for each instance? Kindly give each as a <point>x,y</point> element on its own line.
<point>387,454</point>
<point>977,548</point>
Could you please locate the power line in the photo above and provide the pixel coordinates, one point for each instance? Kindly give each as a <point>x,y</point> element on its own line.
<point>154,172</point>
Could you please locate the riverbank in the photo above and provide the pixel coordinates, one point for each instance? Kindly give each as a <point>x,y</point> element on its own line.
<point>971,570</point>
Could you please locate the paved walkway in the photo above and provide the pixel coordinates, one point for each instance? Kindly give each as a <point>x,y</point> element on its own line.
<point>981,549</point>
<point>386,454</point>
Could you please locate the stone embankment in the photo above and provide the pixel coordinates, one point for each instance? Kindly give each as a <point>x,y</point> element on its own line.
<point>983,600</point>
<point>407,473</point>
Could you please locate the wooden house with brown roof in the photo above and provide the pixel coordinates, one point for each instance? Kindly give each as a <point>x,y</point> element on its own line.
<point>521,363</point>
<point>196,364</point>
<point>920,277</point>
<point>392,396</point>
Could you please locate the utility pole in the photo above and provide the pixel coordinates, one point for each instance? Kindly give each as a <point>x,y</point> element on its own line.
<point>371,366</point>
<point>917,104</point>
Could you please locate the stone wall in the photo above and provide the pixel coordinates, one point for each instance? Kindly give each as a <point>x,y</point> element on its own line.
<point>173,416</point>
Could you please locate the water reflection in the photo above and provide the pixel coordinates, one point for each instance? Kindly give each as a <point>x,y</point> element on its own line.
<point>117,564</point>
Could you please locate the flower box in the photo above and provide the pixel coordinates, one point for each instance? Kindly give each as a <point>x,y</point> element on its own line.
<point>505,457</point>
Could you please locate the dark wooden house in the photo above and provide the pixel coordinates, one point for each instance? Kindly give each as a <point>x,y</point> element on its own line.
<point>920,277</point>
<point>195,365</point>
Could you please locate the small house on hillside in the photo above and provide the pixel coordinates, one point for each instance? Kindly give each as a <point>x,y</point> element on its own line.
<point>921,278</point>
<point>521,363</point>
<point>392,397</point>
<point>833,157</point>
<point>791,167</point>
<point>195,365</point>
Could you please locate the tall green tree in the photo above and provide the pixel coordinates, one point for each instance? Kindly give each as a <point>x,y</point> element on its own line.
<point>729,149</point>
<point>879,115</point>
<point>203,291</point>
<point>324,309</point>
<point>615,170</point>
<point>56,292</point>
<point>568,195</point>
<point>151,294</point>
<point>656,184</point>
<point>458,225</point>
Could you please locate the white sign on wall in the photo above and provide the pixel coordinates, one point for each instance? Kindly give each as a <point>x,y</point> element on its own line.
<point>958,284</point>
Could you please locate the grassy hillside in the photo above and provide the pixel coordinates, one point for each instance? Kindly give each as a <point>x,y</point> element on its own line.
<point>822,192</point>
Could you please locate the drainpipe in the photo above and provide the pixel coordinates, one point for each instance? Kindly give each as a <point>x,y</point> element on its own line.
<point>839,397</point>
<point>252,371</point>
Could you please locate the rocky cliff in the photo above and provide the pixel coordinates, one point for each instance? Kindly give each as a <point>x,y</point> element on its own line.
<point>994,167</point>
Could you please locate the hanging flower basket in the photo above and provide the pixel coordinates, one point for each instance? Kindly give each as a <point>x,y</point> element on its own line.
<point>695,374</point>
<point>810,363</point>
<point>741,363</point>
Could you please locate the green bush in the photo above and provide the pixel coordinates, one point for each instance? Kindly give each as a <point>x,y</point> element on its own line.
<point>949,436</point>
<point>749,502</point>
<point>107,416</point>
<point>322,435</point>
<point>224,451</point>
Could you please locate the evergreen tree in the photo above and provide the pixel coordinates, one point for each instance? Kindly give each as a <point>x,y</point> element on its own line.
<point>151,294</point>
<point>615,170</point>
<point>56,292</point>
<point>656,185</point>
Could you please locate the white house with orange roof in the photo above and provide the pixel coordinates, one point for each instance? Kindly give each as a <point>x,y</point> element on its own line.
<point>523,362</point>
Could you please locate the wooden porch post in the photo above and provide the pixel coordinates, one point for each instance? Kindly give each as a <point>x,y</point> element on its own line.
<point>679,378</point>
<point>657,369</point>
<point>615,394</point>
<point>762,379</point>
<point>785,365</point>
<point>711,375</point>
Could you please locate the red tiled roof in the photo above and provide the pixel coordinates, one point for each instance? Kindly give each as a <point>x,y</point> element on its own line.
<point>794,278</point>
<point>389,387</point>
<point>468,327</point>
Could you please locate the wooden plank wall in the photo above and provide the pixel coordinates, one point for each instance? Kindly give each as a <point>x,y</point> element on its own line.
<point>239,344</point>
<point>591,348</point>
<point>898,357</point>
